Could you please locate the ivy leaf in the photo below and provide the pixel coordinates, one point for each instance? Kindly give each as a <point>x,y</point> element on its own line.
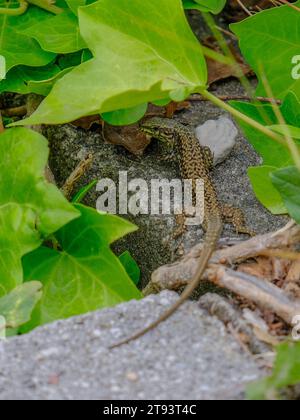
<point>212,6</point>
<point>28,51</point>
<point>273,153</point>
<point>19,78</point>
<point>40,80</point>
<point>16,307</point>
<point>84,275</point>
<point>74,4</point>
<point>131,267</point>
<point>271,48</point>
<point>291,109</point>
<point>140,56</point>
<point>30,208</point>
<point>44,87</point>
<point>264,190</point>
<point>125,116</point>
<point>58,34</point>
<point>287,182</point>
<point>283,129</point>
<point>286,373</point>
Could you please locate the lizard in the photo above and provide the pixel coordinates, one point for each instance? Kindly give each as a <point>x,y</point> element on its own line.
<point>195,163</point>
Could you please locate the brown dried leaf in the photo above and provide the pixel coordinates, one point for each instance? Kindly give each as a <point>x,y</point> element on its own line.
<point>265,336</point>
<point>219,71</point>
<point>293,275</point>
<point>262,268</point>
<point>87,122</point>
<point>129,137</point>
<point>175,107</point>
<point>235,13</point>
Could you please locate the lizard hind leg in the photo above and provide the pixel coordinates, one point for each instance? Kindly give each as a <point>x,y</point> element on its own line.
<point>236,217</point>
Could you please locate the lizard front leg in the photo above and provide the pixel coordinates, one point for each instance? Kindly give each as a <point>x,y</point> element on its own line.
<point>236,217</point>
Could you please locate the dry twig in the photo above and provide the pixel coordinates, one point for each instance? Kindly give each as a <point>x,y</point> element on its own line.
<point>261,292</point>
<point>75,176</point>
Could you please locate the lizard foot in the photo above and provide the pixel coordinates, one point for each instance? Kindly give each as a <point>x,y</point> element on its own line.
<point>181,226</point>
<point>236,217</point>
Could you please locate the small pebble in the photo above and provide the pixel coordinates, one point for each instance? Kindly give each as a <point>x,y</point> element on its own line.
<point>132,376</point>
<point>219,135</point>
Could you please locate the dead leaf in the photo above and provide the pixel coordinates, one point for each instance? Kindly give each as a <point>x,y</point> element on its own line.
<point>262,268</point>
<point>174,107</point>
<point>235,13</point>
<point>265,336</point>
<point>87,122</point>
<point>220,71</point>
<point>129,137</point>
<point>293,275</point>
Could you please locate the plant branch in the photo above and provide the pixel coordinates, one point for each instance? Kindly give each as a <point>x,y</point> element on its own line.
<point>17,11</point>
<point>214,55</point>
<point>48,5</point>
<point>289,139</point>
<point>200,98</point>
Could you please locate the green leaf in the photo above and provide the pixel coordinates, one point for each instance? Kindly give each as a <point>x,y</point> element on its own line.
<point>213,6</point>
<point>125,116</point>
<point>28,51</point>
<point>286,373</point>
<point>74,4</point>
<point>40,80</point>
<point>270,41</point>
<point>84,191</point>
<point>139,57</point>
<point>84,275</point>
<point>30,208</point>
<point>265,191</point>
<point>291,109</point>
<point>16,307</point>
<point>44,87</point>
<point>19,78</point>
<point>58,34</point>
<point>273,153</point>
<point>283,129</point>
<point>287,181</point>
<point>131,267</point>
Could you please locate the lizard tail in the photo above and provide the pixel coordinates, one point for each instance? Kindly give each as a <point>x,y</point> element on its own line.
<point>213,233</point>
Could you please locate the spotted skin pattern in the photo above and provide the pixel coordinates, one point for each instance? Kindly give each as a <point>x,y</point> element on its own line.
<point>195,163</point>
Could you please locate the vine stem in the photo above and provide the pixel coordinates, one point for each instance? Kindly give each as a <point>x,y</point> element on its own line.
<point>43,4</point>
<point>214,55</point>
<point>47,5</point>
<point>237,114</point>
<point>15,11</point>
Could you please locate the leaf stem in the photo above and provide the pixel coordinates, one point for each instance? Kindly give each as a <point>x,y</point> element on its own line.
<point>214,55</point>
<point>237,114</point>
<point>17,11</point>
<point>294,150</point>
<point>43,4</point>
<point>48,5</point>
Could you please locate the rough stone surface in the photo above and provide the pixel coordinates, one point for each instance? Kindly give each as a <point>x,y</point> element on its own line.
<point>219,135</point>
<point>153,245</point>
<point>191,356</point>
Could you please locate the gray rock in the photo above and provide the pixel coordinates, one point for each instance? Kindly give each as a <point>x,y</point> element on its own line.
<point>191,356</point>
<point>219,135</point>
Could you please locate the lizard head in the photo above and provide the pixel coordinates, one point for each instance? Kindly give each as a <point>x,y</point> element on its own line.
<point>162,129</point>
